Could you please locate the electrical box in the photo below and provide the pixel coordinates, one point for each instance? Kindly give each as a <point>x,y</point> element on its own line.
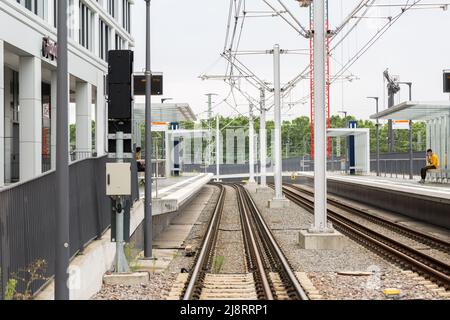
<point>118,179</point>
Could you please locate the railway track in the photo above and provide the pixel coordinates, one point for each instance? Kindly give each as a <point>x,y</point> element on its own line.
<point>340,215</point>
<point>268,276</point>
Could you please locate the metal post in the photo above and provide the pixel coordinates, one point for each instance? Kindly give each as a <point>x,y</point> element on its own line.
<point>251,146</point>
<point>262,138</point>
<point>62,161</point>
<point>157,169</point>
<point>411,169</point>
<point>148,143</point>
<point>217,149</point>
<point>277,109</point>
<point>377,135</point>
<point>121,260</point>
<point>320,138</point>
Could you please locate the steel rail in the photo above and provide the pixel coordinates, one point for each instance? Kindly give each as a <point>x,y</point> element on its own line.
<point>207,247</point>
<point>272,245</point>
<point>412,233</point>
<point>426,264</point>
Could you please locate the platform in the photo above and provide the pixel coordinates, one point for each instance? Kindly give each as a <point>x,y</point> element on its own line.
<point>429,203</point>
<point>173,192</point>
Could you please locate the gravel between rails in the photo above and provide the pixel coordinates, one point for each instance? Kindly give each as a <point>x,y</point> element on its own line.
<point>230,243</point>
<point>323,266</point>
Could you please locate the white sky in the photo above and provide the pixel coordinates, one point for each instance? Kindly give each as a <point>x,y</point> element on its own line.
<point>188,36</point>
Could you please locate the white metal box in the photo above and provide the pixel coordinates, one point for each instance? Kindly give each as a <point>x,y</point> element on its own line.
<point>118,179</point>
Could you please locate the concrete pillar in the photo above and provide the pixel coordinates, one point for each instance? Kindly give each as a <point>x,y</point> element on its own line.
<point>101,120</point>
<point>83,102</point>
<point>30,117</point>
<point>53,103</point>
<point>2,116</point>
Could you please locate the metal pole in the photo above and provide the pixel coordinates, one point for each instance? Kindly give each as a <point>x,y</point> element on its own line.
<point>277,109</point>
<point>251,146</point>
<point>62,252</point>
<point>377,134</point>
<point>148,144</point>
<point>378,140</point>
<point>411,169</point>
<point>262,138</point>
<point>121,260</point>
<point>320,138</point>
<point>157,169</point>
<point>217,149</point>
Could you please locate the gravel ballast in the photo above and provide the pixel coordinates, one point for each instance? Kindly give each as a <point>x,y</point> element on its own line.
<point>323,266</point>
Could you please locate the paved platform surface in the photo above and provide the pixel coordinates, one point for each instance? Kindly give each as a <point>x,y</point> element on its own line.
<point>438,190</point>
<point>174,235</point>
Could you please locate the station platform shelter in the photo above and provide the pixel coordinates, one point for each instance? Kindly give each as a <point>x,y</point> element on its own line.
<point>358,154</point>
<point>436,115</point>
<point>165,122</point>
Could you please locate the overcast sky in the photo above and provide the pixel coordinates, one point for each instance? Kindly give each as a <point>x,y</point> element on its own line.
<point>188,37</point>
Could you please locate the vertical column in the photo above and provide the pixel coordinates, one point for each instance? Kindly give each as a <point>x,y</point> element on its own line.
<point>277,110</point>
<point>2,116</point>
<point>262,138</point>
<point>83,102</point>
<point>198,140</point>
<point>53,111</point>
<point>100,118</point>
<point>96,35</point>
<point>218,149</point>
<point>30,117</point>
<point>168,148</point>
<point>76,20</point>
<point>229,146</point>
<point>320,156</point>
<point>251,147</point>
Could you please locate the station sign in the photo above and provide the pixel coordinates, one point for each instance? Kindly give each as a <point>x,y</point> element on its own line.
<point>447,81</point>
<point>157,84</point>
<point>400,124</point>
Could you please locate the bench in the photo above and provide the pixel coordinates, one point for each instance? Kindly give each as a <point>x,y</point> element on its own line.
<point>438,175</point>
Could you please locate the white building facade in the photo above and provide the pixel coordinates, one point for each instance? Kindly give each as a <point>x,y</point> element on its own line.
<point>28,79</point>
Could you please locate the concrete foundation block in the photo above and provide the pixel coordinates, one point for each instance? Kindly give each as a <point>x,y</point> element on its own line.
<point>129,279</point>
<point>279,203</point>
<point>322,241</point>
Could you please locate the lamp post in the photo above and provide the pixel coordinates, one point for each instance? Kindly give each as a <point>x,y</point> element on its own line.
<point>62,249</point>
<point>377,126</point>
<point>411,173</point>
<point>148,143</point>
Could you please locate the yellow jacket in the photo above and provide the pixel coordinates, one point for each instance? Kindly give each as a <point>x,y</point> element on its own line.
<point>433,160</point>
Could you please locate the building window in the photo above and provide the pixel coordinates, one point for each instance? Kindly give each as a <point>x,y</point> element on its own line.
<point>126,14</point>
<point>86,17</point>
<point>38,7</point>
<point>104,34</point>
<point>120,43</point>
<point>111,6</point>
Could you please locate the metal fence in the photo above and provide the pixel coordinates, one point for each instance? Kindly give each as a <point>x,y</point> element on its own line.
<point>27,218</point>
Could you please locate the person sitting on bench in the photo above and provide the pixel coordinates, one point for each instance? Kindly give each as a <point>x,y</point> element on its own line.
<point>139,161</point>
<point>432,163</point>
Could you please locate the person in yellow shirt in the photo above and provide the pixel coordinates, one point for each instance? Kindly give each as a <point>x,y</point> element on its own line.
<point>432,163</point>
